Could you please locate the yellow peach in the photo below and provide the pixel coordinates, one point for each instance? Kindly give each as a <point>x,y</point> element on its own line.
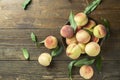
<point>86,72</point>
<point>83,36</point>
<point>73,51</point>
<point>82,46</point>
<point>99,31</point>
<point>71,40</point>
<point>90,24</point>
<point>81,19</point>
<point>45,59</point>
<point>92,49</point>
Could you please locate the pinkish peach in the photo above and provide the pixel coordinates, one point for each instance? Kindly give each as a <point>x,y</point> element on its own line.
<point>50,42</point>
<point>67,31</point>
<point>83,36</point>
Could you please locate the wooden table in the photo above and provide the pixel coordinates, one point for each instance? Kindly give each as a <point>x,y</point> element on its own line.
<point>46,17</point>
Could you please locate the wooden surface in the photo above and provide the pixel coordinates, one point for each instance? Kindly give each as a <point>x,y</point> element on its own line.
<point>46,17</point>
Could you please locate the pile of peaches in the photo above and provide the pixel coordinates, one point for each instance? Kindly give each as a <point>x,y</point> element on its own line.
<point>85,38</point>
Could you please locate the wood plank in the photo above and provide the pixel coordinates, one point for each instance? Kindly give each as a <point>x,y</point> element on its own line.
<point>12,40</point>
<point>108,5</point>
<point>39,13</point>
<point>25,70</point>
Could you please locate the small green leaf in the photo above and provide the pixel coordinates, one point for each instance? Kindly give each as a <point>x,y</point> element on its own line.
<point>25,53</point>
<point>99,63</point>
<point>26,3</point>
<point>33,37</point>
<point>84,61</point>
<point>72,21</point>
<point>58,50</point>
<point>92,6</point>
<point>70,66</point>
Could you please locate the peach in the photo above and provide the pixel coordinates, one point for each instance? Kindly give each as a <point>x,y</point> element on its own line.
<point>67,31</point>
<point>71,40</point>
<point>99,31</point>
<point>95,39</point>
<point>82,46</point>
<point>45,59</point>
<point>86,72</point>
<point>92,49</point>
<point>51,42</point>
<point>81,19</point>
<point>73,51</point>
<point>83,36</point>
<point>90,24</point>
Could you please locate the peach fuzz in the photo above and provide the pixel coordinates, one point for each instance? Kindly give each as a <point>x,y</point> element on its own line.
<point>81,19</point>
<point>67,31</point>
<point>83,36</point>
<point>50,42</point>
<point>71,40</point>
<point>73,51</point>
<point>86,72</point>
<point>92,49</point>
<point>90,24</point>
<point>45,59</point>
<point>99,31</point>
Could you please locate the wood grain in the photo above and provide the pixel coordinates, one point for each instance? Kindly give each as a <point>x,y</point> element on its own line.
<point>46,17</point>
<point>31,70</point>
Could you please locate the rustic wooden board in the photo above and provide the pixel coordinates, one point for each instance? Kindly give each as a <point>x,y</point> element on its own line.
<point>46,17</point>
<point>31,70</point>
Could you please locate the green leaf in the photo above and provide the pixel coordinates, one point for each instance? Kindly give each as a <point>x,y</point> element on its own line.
<point>25,53</point>
<point>70,66</point>
<point>99,63</point>
<point>26,3</point>
<point>72,21</point>
<point>33,37</point>
<point>84,61</point>
<point>58,50</point>
<point>91,7</point>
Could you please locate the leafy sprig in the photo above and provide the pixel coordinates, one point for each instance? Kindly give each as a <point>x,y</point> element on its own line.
<point>57,51</point>
<point>98,62</point>
<point>26,3</point>
<point>70,66</point>
<point>92,6</point>
<point>78,63</point>
<point>72,21</point>
<point>26,53</point>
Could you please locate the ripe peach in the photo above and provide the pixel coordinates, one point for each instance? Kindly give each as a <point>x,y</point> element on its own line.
<point>71,40</point>
<point>90,24</point>
<point>73,51</point>
<point>45,59</point>
<point>94,39</point>
<point>92,49</point>
<point>83,36</point>
<point>51,42</point>
<point>67,31</point>
<point>99,31</point>
<point>86,71</point>
<point>82,46</point>
<point>81,19</point>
